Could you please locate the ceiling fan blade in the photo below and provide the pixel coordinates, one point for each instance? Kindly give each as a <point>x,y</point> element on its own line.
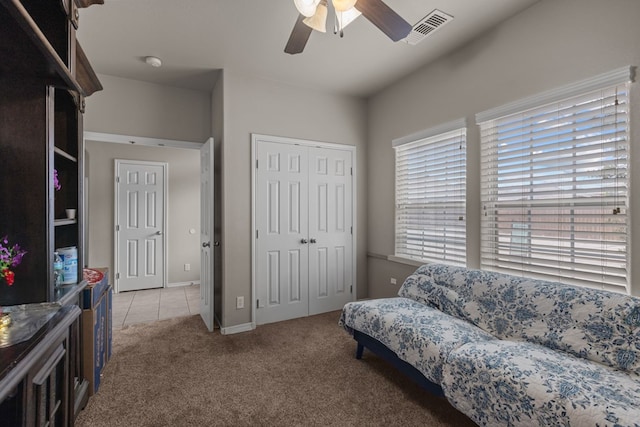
<point>299,36</point>
<point>383,17</point>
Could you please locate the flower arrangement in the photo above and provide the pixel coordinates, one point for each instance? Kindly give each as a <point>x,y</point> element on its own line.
<point>56,182</point>
<point>10,257</point>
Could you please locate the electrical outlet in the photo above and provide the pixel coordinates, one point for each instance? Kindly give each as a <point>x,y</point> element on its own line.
<point>187,267</point>
<point>239,302</point>
<point>393,281</point>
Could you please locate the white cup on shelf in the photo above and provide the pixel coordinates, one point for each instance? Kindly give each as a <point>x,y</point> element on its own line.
<point>71,213</point>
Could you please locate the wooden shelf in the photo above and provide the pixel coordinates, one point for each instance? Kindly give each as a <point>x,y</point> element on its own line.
<point>44,78</point>
<point>18,51</point>
<point>87,78</point>
<point>64,221</point>
<point>64,154</point>
<point>87,3</point>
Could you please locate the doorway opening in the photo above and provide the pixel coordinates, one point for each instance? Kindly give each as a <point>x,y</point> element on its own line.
<point>180,287</point>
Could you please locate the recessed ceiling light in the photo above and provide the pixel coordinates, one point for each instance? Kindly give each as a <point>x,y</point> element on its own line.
<point>153,61</point>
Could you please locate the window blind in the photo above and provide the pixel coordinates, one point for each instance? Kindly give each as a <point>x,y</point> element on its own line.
<point>431,198</point>
<point>554,190</point>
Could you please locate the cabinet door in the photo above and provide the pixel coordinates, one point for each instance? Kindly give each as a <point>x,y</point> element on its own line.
<point>48,400</point>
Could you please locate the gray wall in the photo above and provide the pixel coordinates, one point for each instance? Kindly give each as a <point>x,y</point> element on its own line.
<point>253,105</point>
<point>135,108</point>
<point>131,107</point>
<point>553,43</point>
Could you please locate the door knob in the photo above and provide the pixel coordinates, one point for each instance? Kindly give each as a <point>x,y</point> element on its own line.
<point>304,241</point>
<point>206,245</point>
<point>312,241</point>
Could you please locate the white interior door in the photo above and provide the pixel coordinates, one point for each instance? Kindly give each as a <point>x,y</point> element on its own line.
<point>206,234</point>
<point>282,232</point>
<point>140,225</point>
<point>330,229</point>
<point>304,219</point>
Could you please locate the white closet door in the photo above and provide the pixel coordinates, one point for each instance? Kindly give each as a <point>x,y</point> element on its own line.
<point>330,229</point>
<point>282,226</point>
<point>140,193</point>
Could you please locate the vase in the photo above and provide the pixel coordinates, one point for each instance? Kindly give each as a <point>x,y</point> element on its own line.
<point>5,320</point>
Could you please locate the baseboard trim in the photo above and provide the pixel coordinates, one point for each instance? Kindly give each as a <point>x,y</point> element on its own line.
<point>178,284</point>
<point>244,327</point>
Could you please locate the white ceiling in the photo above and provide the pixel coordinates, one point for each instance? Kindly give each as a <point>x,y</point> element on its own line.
<point>196,38</point>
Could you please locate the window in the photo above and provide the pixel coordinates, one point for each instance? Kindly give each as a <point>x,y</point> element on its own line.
<point>554,188</point>
<point>431,194</point>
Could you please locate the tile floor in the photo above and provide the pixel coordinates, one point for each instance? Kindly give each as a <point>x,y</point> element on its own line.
<point>154,304</point>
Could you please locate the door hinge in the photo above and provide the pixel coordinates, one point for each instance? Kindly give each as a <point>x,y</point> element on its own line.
<point>117,179</point>
<point>256,234</point>
<point>117,275</point>
<point>117,228</point>
<point>351,171</point>
<point>351,229</point>
<point>351,289</point>
<point>257,303</point>
<point>256,163</point>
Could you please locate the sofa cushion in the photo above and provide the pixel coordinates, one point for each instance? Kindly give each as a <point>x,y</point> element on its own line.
<point>420,335</point>
<point>593,324</point>
<point>522,384</point>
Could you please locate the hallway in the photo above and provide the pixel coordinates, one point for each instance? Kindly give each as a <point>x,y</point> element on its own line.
<point>150,305</point>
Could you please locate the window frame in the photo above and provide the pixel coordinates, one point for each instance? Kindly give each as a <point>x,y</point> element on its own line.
<point>546,100</point>
<point>455,134</point>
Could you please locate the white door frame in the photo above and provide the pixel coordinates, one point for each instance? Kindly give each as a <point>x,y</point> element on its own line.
<point>165,170</point>
<point>255,140</point>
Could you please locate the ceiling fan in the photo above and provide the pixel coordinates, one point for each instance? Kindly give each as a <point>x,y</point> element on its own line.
<point>313,16</point>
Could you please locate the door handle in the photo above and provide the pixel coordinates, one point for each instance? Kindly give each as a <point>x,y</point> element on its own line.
<point>312,241</point>
<point>206,245</point>
<point>216,243</point>
<point>159,233</point>
<point>304,241</point>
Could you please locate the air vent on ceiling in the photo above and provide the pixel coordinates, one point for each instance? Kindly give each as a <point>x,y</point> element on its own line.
<point>427,26</point>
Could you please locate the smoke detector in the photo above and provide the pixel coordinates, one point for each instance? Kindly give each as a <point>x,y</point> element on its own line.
<point>427,26</point>
<point>153,61</point>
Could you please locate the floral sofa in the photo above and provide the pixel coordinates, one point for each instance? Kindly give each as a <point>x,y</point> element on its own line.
<point>507,350</point>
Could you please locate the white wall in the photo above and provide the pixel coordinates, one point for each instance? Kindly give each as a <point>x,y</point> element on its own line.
<point>135,108</point>
<point>254,105</point>
<point>551,44</point>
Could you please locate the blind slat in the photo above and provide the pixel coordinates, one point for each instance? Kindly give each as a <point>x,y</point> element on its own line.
<point>554,190</point>
<point>431,198</point>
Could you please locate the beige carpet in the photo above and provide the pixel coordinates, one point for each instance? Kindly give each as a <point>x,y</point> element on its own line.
<point>299,372</point>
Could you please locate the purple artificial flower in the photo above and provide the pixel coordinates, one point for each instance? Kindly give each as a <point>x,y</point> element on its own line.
<point>10,257</point>
<point>56,182</point>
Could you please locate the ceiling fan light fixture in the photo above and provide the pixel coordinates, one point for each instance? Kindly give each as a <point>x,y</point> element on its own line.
<point>319,20</point>
<point>307,7</point>
<point>343,5</point>
<point>347,17</point>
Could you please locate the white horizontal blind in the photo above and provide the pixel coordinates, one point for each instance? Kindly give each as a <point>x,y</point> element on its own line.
<point>555,190</point>
<point>431,198</point>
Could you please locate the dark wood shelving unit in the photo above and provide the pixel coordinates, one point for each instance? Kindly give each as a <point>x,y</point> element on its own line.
<point>44,78</point>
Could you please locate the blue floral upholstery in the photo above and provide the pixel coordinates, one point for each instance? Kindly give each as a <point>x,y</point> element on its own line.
<point>419,335</point>
<point>511,351</point>
<point>593,324</point>
<point>522,384</point>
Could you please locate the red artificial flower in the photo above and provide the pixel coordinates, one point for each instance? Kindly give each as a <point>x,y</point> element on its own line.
<point>9,276</point>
